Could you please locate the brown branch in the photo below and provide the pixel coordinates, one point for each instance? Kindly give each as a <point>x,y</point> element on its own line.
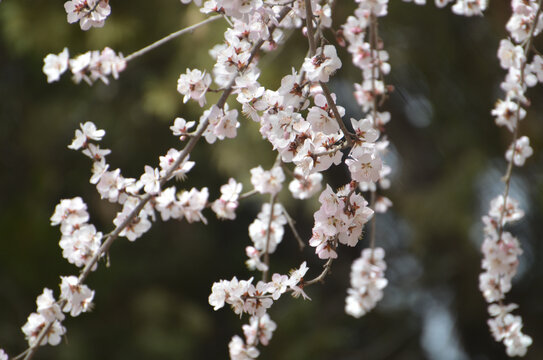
<point>331,103</point>
<point>309,26</point>
<point>327,268</point>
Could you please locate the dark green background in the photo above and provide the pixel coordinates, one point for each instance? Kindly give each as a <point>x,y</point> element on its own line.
<point>152,302</point>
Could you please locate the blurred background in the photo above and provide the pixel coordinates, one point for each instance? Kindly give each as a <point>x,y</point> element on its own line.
<point>152,302</point>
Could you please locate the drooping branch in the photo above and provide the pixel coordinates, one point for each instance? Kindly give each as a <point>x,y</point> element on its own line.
<point>325,89</point>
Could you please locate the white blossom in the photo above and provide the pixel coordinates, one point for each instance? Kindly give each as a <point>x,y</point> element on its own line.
<point>34,326</point>
<point>324,63</point>
<point>55,65</point>
<point>88,132</point>
<point>522,151</point>
<point>194,85</point>
<point>78,296</point>
<point>89,13</point>
<point>267,182</point>
<point>48,307</point>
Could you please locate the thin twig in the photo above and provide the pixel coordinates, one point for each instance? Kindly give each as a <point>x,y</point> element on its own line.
<point>332,151</point>
<point>373,222</point>
<point>337,116</point>
<point>309,26</point>
<point>248,194</point>
<point>273,198</point>
<point>291,223</point>
<point>327,268</point>
<point>170,37</point>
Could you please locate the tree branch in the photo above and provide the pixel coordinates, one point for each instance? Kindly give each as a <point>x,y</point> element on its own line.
<point>170,37</point>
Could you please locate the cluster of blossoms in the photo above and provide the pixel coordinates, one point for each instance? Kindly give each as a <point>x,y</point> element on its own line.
<point>367,282</point>
<point>244,297</point>
<point>259,330</point>
<point>223,123</point>
<point>500,261</point>
<point>461,7</point>
<point>225,206</point>
<point>112,186</point>
<point>305,187</point>
<point>80,241</point>
<point>340,219</point>
<point>266,232</point>
<point>500,248</point>
<point>90,66</point>
<point>323,64</point>
<point>365,159</point>
<point>75,298</point>
<point>193,85</point>
<point>521,74</point>
<point>267,182</point>
<point>89,13</point>
<point>48,315</point>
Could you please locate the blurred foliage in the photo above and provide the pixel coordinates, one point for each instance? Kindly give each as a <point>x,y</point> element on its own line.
<point>152,302</point>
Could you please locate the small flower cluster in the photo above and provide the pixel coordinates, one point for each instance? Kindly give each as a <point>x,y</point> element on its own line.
<point>365,158</point>
<point>507,328</point>
<point>323,64</point>
<point>521,74</point>
<point>305,187</point>
<point>501,251</point>
<point>75,298</point>
<point>370,59</point>
<point>127,191</point>
<point>523,20</point>
<point>249,19</point>
<point>193,85</point>
<point>367,282</point>
<point>519,151</point>
<point>90,66</point>
<point>258,331</point>
<point>223,123</point>
<point>461,7</point>
<point>244,297</point>
<point>267,181</point>
<point>225,206</point>
<point>80,241</point>
<point>48,315</point>
<point>89,13</point>
<point>308,143</point>
<point>267,233</point>
<point>340,219</point>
